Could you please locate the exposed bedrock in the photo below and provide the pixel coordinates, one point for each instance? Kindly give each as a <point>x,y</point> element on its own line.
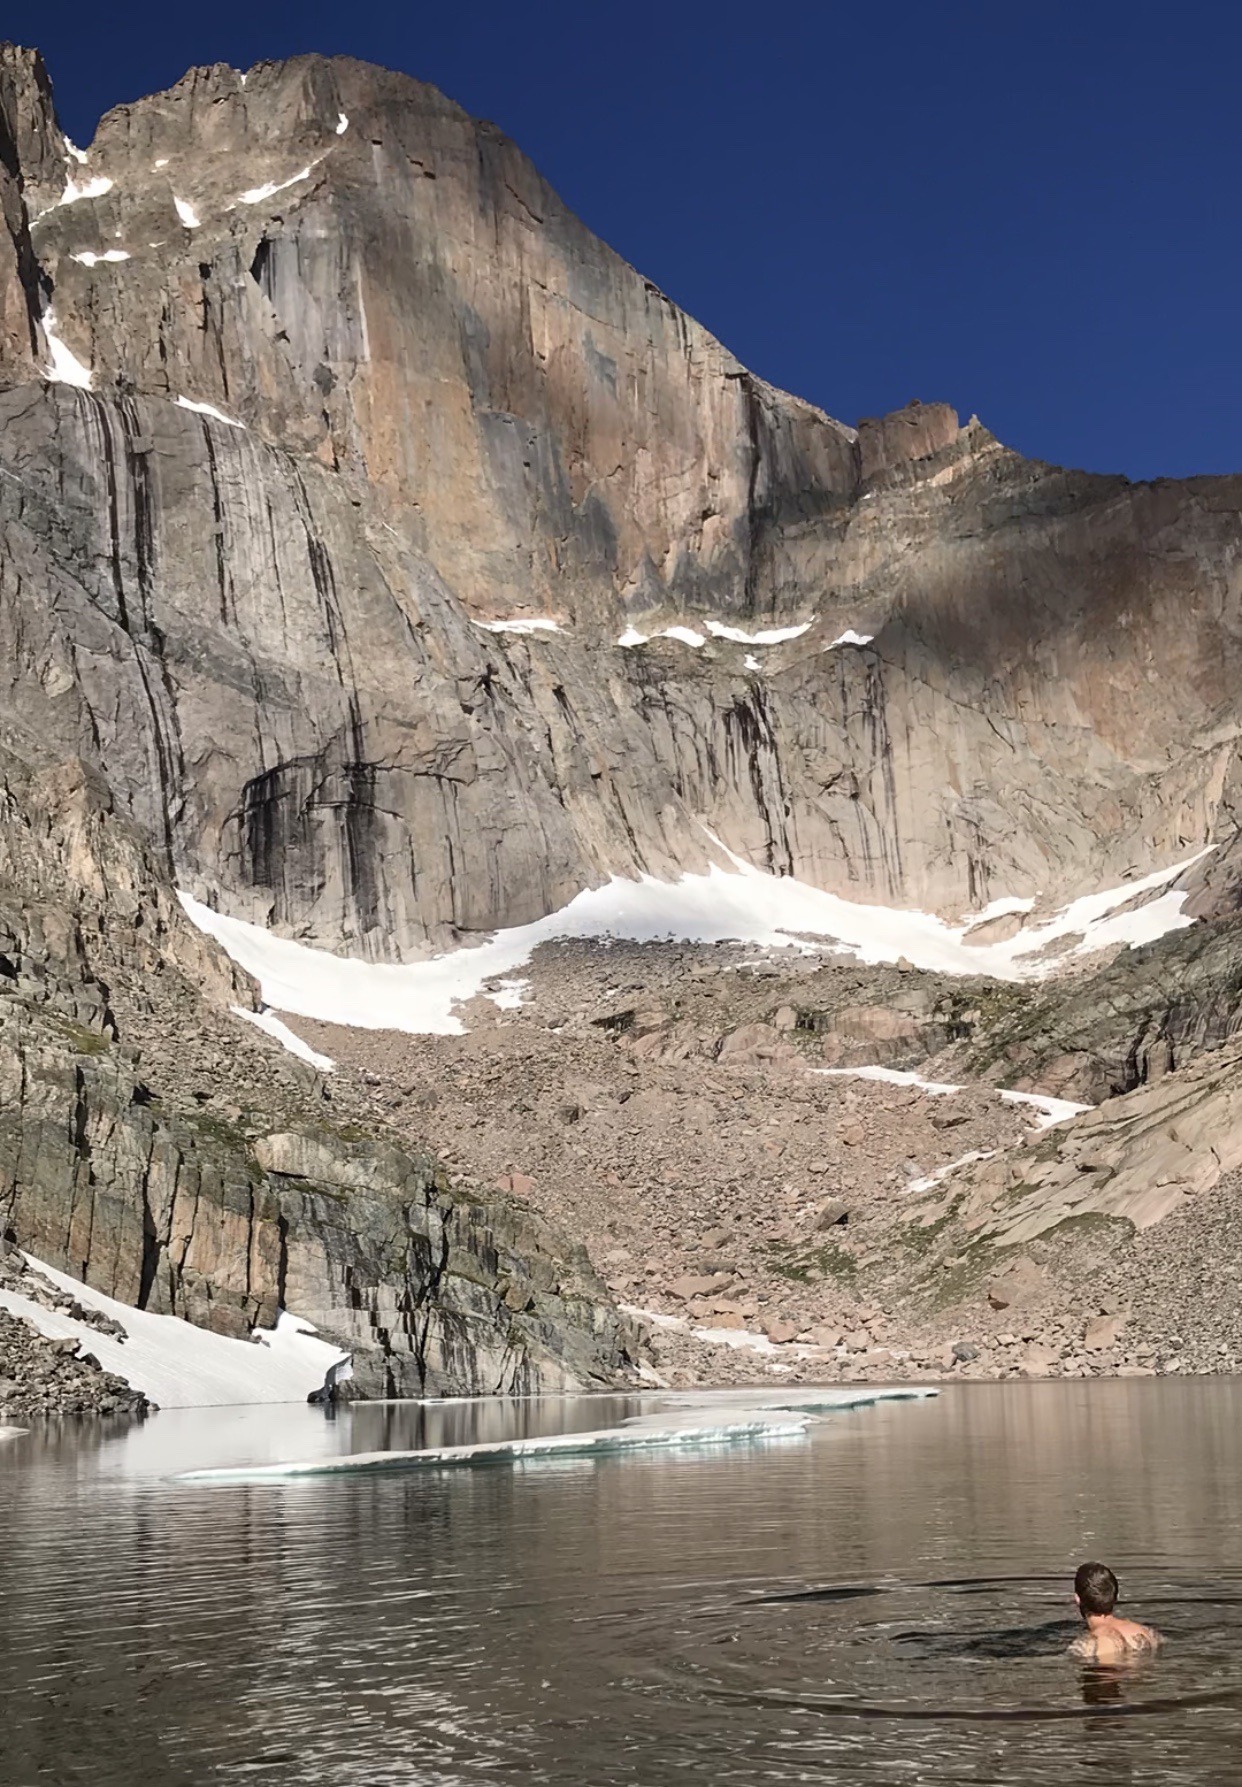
<point>152,1149</point>
<point>456,405</point>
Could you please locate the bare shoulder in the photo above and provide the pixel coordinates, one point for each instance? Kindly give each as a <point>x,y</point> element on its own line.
<point>1084,1649</point>
<point>1142,1637</point>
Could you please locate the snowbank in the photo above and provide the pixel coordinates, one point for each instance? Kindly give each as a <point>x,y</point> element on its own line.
<point>180,1366</point>
<point>741,904</point>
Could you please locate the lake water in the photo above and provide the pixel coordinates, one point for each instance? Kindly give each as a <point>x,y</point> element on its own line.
<point>886,1600</point>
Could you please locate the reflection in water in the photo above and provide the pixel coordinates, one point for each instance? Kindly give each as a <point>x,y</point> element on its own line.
<point>889,1601</point>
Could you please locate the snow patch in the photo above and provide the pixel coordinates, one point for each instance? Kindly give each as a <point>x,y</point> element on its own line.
<point>270,1024</point>
<point>850,637</point>
<point>766,635</point>
<point>539,624</point>
<point>750,662</point>
<point>208,409</point>
<point>686,635</point>
<point>257,194</point>
<point>90,259</point>
<point>186,212</point>
<point>180,1366</point>
<point>161,163</point>
<point>739,904</point>
<point>930,1180</point>
<point>1052,1110</point>
<point>90,189</point>
<point>63,367</point>
<point>509,995</point>
<point>342,124</point>
<point>892,1076</point>
<point>632,637</point>
<point>72,150</point>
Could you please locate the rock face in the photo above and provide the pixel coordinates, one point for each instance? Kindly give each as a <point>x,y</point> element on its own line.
<point>313,399</point>
<point>151,1151</point>
<point>449,404</point>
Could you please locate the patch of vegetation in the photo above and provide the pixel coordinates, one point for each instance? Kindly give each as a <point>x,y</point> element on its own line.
<point>803,1263</point>
<point>82,1039</point>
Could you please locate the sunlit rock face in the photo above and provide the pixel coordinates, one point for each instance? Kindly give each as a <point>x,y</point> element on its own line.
<point>362,383</point>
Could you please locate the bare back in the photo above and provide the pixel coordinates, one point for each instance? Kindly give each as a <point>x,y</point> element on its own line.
<point>1113,1640</point>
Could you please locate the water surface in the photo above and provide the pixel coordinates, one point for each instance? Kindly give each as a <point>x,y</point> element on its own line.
<point>885,1601</point>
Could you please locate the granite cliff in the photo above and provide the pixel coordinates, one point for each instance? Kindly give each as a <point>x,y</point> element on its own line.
<point>314,401</point>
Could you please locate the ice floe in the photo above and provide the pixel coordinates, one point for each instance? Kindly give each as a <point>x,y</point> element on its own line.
<point>687,1422</point>
<point>257,194</point>
<point>270,1024</point>
<point>208,409</point>
<point>539,623</point>
<point>186,212</point>
<point>63,367</point>
<point>89,259</point>
<point>740,904</point>
<point>180,1366</point>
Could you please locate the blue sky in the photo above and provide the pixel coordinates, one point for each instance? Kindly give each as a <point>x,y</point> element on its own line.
<point>1031,212</point>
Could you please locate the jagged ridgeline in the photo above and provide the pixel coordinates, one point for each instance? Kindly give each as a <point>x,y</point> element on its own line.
<point>308,382</point>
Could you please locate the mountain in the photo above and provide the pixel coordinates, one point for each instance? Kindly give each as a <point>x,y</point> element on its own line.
<point>384,561</point>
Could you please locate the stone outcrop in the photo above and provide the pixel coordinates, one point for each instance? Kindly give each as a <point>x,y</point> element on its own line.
<point>447,403</point>
<point>153,1152</point>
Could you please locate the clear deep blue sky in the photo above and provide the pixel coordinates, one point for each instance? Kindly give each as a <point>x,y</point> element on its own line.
<point>1028,210</point>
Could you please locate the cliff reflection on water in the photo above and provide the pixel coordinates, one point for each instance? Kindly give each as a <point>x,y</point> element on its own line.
<point>888,1599</point>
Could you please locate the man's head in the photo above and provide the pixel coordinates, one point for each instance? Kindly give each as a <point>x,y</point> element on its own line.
<point>1095,1589</point>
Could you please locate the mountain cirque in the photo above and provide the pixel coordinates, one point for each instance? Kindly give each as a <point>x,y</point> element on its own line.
<point>308,383</point>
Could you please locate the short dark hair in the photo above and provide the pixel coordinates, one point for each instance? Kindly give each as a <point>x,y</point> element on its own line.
<point>1096,1588</point>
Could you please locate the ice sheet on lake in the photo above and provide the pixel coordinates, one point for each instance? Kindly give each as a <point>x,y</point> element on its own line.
<point>740,904</point>
<point>180,1366</point>
<point>687,1421</point>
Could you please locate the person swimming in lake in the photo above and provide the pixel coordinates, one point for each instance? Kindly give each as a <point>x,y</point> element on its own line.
<point>1107,1639</point>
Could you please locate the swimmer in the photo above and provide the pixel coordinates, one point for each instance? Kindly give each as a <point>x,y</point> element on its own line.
<point>1107,1639</point>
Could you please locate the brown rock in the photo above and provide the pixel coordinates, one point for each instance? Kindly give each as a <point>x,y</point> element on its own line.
<point>1102,1333</point>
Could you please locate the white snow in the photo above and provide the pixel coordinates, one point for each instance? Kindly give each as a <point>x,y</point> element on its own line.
<point>187,213</point>
<point>63,367</point>
<point>270,1024</point>
<point>342,124</point>
<point>208,409</point>
<point>750,662</point>
<point>893,1076</point>
<point>632,637</point>
<point>509,995</point>
<point>686,1421</point>
<point>162,162</point>
<point>686,635</point>
<point>850,637</point>
<point>1052,1110</point>
<point>90,189</point>
<point>180,1366</point>
<point>538,624</point>
<point>739,904</point>
<point>257,194</point>
<point>931,1180</point>
<point>766,635</point>
<point>90,259</point>
<point>73,150</point>
<point>997,909</point>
